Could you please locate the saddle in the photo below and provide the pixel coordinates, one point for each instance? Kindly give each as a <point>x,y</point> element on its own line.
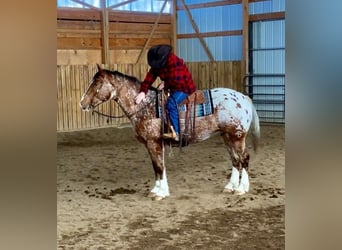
<point>195,98</point>
<point>190,108</point>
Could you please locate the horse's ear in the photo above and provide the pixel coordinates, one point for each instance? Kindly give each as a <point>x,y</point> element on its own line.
<point>98,67</point>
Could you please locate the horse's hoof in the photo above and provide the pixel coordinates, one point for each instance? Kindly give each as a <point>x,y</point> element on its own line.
<point>158,198</point>
<point>151,195</point>
<point>228,190</point>
<point>240,192</point>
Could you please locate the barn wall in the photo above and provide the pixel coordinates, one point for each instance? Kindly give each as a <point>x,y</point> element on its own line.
<point>79,35</point>
<point>80,45</point>
<point>72,81</point>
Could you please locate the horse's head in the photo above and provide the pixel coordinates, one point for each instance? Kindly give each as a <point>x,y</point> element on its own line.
<point>99,91</point>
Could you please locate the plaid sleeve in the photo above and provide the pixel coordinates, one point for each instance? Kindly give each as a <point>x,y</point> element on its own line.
<point>182,76</point>
<point>191,86</point>
<point>148,81</point>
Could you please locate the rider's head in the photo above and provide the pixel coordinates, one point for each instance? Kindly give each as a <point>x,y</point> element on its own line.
<point>157,55</point>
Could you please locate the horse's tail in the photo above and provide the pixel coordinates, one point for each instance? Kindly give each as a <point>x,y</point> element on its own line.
<point>255,127</point>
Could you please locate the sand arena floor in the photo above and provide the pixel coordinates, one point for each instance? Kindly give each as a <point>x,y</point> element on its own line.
<point>104,176</point>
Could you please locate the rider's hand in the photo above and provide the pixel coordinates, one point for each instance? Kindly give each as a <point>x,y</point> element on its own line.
<point>140,97</point>
<point>161,86</point>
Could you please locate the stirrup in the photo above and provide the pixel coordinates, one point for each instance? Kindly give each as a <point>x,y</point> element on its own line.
<point>172,135</point>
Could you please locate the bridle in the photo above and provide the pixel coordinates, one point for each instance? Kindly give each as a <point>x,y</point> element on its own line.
<point>124,115</point>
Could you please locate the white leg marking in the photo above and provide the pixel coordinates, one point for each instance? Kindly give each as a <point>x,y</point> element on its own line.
<point>161,189</point>
<point>244,183</point>
<point>233,182</point>
<point>165,185</point>
<point>156,187</point>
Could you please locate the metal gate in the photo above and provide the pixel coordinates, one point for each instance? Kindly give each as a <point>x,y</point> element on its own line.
<point>266,80</point>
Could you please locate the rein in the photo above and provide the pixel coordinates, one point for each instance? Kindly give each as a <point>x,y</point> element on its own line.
<point>109,116</point>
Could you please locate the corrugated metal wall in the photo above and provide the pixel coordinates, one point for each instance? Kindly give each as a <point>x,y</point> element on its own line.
<point>211,19</point>
<point>266,84</point>
<point>267,62</point>
<point>267,6</point>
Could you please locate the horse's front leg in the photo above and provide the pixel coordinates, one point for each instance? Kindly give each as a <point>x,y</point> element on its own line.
<point>161,188</point>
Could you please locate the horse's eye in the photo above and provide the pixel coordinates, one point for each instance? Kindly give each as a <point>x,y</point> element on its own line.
<point>98,88</point>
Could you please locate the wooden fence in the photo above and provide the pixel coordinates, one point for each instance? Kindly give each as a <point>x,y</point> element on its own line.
<point>72,81</point>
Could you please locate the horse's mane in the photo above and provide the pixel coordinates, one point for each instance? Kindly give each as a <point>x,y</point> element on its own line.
<point>128,77</point>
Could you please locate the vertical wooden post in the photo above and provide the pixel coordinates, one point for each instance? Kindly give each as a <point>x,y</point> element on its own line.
<point>174,26</point>
<point>245,38</point>
<point>105,31</point>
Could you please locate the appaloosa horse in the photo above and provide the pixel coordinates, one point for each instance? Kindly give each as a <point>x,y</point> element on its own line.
<point>233,115</point>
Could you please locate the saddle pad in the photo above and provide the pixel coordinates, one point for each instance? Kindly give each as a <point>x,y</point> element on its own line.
<point>202,109</point>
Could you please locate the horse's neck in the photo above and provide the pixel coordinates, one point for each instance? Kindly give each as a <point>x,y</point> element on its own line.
<point>125,98</point>
<point>126,94</point>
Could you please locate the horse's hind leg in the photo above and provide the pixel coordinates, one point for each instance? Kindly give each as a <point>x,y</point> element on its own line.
<point>244,180</point>
<point>239,181</point>
<point>161,187</point>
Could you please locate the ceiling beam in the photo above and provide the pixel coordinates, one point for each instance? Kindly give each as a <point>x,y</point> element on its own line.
<point>267,16</point>
<point>211,34</point>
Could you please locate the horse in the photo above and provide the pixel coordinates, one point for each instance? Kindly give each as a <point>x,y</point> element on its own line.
<point>233,116</point>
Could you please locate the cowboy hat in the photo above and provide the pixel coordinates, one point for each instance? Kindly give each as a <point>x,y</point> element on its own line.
<point>157,55</point>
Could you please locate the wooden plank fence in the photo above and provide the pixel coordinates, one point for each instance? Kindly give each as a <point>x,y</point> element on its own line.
<point>73,80</point>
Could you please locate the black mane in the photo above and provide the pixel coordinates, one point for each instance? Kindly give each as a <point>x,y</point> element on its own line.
<point>130,78</point>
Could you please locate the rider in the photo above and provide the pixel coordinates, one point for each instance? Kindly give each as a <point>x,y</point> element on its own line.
<point>177,79</point>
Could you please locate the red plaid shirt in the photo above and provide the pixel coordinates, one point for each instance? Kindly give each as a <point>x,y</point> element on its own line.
<point>175,75</point>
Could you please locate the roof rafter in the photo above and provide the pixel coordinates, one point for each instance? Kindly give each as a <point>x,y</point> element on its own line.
<point>120,4</point>
<point>198,34</point>
<point>85,4</point>
<point>153,29</point>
